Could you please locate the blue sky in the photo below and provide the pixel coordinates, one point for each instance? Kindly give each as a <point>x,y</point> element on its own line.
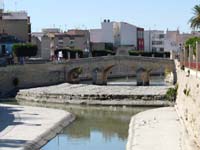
<point>66,14</point>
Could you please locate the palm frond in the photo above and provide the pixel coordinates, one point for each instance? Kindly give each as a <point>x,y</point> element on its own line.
<point>195,20</point>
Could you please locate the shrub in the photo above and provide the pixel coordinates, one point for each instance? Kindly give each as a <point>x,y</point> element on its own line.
<point>172,93</point>
<point>149,54</point>
<point>97,53</point>
<point>186,91</point>
<point>192,41</point>
<point>23,50</point>
<point>182,67</point>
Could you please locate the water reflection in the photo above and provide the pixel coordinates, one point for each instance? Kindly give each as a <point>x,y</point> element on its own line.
<point>154,81</point>
<point>109,122</point>
<point>95,128</point>
<point>131,81</point>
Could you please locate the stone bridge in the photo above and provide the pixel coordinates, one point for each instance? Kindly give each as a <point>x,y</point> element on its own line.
<point>100,67</point>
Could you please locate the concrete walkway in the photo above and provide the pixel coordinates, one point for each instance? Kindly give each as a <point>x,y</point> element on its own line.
<point>157,129</point>
<point>29,128</point>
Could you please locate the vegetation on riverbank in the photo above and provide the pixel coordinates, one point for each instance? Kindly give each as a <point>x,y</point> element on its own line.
<point>172,93</point>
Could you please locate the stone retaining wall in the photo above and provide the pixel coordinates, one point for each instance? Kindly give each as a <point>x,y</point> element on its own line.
<point>188,103</point>
<point>28,76</point>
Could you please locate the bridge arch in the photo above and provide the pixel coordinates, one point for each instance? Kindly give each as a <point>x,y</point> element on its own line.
<point>100,75</point>
<point>98,68</point>
<point>143,77</point>
<point>73,75</point>
<point>106,71</point>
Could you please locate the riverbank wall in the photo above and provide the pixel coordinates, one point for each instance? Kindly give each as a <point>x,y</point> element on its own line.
<point>13,78</point>
<point>151,128</point>
<point>188,102</point>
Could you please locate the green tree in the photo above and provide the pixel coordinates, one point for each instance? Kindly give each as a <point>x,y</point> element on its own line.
<point>195,20</point>
<point>23,50</point>
<point>192,41</point>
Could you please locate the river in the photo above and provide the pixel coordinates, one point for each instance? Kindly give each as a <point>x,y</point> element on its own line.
<point>95,128</point>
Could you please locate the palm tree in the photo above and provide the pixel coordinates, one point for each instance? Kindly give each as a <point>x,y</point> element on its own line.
<point>195,20</point>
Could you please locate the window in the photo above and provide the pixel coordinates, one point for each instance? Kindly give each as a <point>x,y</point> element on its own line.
<point>60,41</point>
<point>157,42</point>
<point>161,36</point>
<point>140,34</point>
<point>71,42</point>
<point>60,38</point>
<point>154,49</point>
<point>161,49</point>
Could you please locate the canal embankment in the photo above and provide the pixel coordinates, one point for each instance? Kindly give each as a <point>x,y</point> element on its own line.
<point>98,95</point>
<point>29,128</point>
<point>157,129</point>
<point>170,128</point>
<point>188,102</point>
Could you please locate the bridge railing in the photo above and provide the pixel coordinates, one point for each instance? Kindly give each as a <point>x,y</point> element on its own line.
<point>91,59</point>
<point>190,59</point>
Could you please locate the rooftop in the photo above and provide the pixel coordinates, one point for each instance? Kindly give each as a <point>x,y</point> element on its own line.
<point>19,15</point>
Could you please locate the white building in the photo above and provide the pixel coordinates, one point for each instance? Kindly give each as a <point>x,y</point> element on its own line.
<point>118,33</point>
<point>103,35</point>
<point>107,29</point>
<point>154,40</point>
<point>125,34</point>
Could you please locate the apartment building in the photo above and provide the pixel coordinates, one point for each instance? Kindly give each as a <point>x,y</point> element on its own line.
<point>73,39</point>
<point>159,41</point>
<point>154,40</point>
<point>16,24</point>
<point>120,34</point>
<point>54,39</point>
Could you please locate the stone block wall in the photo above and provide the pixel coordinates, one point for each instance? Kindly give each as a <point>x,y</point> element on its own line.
<point>29,76</point>
<point>188,103</point>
